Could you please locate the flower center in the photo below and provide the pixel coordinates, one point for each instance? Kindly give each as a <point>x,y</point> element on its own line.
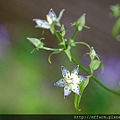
<point>68,80</point>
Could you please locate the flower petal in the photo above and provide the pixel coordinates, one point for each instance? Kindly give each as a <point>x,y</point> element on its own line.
<point>52,15</point>
<point>60,15</point>
<point>60,83</point>
<point>42,23</point>
<point>76,80</point>
<point>65,72</point>
<point>76,89</point>
<point>81,78</point>
<point>49,19</point>
<point>75,70</point>
<point>67,90</point>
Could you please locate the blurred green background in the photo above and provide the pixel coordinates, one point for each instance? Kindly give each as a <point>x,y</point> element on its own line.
<point>26,80</point>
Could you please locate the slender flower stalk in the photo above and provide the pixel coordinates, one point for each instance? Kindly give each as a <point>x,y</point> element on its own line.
<point>75,34</point>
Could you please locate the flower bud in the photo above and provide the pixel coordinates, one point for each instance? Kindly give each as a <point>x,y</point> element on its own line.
<point>36,42</point>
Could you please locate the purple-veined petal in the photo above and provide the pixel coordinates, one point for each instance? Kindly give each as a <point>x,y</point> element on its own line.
<point>39,21</point>
<point>52,14</point>
<point>42,23</point>
<point>81,78</point>
<point>60,14</point>
<point>60,83</point>
<point>65,72</point>
<point>67,90</point>
<point>76,89</point>
<point>75,70</point>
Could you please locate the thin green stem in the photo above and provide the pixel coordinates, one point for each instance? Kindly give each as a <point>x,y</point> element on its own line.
<point>75,34</point>
<point>97,81</point>
<point>82,67</point>
<point>94,78</point>
<point>58,37</point>
<point>83,43</point>
<point>51,49</point>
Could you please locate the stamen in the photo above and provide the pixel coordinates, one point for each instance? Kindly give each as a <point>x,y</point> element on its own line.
<point>68,76</point>
<point>65,82</point>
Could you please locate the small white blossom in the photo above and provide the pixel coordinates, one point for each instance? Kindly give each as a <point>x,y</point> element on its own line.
<point>51,18</point>
<point>70,82</point>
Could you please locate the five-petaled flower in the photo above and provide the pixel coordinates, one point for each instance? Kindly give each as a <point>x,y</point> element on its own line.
<point>70,82</point>
<point>52,20</point>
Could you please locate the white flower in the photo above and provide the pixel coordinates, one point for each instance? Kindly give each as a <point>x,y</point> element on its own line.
<point>70,82</point>
<point>51,18</point>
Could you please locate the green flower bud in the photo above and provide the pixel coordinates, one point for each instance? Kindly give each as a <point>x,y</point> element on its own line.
<point>62,31</point>
<point>93,54</point>
<point>36,42</point>
<point>80,23</point>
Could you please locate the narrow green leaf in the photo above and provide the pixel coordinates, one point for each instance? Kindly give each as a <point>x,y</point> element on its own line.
<point>77,98</point>
<point>94,65</point>
<point>83,43</point>
<point>87,27</point>
<point>55,52</point>
<point>84,84</point>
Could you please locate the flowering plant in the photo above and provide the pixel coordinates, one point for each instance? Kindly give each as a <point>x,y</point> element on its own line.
<point>70,81</point>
